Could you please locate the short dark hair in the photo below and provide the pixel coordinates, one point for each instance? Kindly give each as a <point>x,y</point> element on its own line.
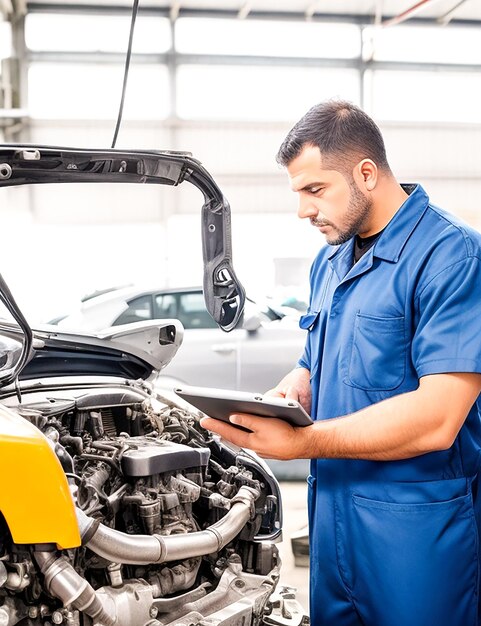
<point>343,133</point>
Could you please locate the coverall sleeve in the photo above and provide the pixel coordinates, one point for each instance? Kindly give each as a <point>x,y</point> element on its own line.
<point>306,321</point>
<point>305,360</point>
<point>447,337</point>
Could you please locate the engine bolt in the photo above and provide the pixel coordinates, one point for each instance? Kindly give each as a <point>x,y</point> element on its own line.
<point>33,612</point>
<point>57,617</point>
<point>154,611</point>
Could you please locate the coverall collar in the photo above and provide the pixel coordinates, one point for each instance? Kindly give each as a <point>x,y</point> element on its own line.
<point>390,244</point>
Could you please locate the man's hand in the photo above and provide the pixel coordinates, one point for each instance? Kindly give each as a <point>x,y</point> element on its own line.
<point>271,438</point>
<point>295,386</point>
<point>417,422</point>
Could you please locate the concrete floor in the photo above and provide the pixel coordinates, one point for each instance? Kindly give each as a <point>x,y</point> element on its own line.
<point>294,496</point>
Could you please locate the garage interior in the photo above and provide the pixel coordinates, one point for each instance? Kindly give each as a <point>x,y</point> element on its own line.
<point>224,80</point>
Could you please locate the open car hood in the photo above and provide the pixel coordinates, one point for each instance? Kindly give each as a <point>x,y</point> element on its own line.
<point>28,164</point>
<point>135,350</point>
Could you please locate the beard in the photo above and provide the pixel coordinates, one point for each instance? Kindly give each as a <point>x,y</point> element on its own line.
<point>357,212</point>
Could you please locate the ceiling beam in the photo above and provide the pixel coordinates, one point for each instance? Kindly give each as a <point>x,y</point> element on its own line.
<point>378,13</point>
<point>19,7</point>
<point>174,10</point>
<point>312,8</point>
<point>369,50</point>
<point>245,9</point>
<point>448,16</point>
<point>409,13</point>
<point>97,8</point>
<point>6,7</point>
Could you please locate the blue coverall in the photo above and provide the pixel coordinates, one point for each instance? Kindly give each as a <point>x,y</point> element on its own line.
<point>395,543</point>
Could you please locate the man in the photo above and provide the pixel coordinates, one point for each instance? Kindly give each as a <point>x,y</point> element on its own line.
<point>393,366</point>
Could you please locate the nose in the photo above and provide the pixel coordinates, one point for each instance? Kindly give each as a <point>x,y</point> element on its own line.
<point>306,208</point>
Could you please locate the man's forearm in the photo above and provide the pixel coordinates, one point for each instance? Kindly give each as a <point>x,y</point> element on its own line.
<point>404,426</point>
<point>389,430</point>
<point>400,427</point>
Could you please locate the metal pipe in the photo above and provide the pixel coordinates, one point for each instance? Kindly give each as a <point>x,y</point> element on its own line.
<point>63,582</point>
<point>408,13</point>
<point>120,547</point>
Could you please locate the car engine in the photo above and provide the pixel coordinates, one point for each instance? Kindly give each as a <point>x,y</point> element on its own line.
<point>177,526</point>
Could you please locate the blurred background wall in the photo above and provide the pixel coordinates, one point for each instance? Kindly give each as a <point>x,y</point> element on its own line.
<point>224,80</point>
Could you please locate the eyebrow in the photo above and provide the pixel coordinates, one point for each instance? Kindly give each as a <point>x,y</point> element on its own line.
<point>310,185</point>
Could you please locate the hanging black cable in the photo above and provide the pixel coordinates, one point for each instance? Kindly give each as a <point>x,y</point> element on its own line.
<point>126,71</point>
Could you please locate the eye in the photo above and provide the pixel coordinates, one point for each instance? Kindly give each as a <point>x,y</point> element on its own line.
<point>315,190</point>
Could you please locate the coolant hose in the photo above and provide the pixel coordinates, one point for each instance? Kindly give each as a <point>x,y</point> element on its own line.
<point>120,547</point>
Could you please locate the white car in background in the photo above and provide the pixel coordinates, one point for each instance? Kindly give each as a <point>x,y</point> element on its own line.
<point>253,357</point>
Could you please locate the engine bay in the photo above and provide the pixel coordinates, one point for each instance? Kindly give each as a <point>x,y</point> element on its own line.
<point>177,526</point>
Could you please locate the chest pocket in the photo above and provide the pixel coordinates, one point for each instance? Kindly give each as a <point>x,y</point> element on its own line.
<point>378,353</point>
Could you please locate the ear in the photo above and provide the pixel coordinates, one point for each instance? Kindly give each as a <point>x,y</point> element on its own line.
<point>365,173</point>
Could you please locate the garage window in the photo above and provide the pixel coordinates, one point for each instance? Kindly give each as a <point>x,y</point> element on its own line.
<point>267,38</point>
<point>82,91</point>
<point>444,96</point>
<point>259,93</point>
<point>52,32</point>
<point>424,44</point>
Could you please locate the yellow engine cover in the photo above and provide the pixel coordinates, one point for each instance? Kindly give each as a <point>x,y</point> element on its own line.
<point>34,493</point>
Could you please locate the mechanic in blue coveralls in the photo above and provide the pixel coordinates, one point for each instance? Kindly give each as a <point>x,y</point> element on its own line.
<point>393,366</point>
